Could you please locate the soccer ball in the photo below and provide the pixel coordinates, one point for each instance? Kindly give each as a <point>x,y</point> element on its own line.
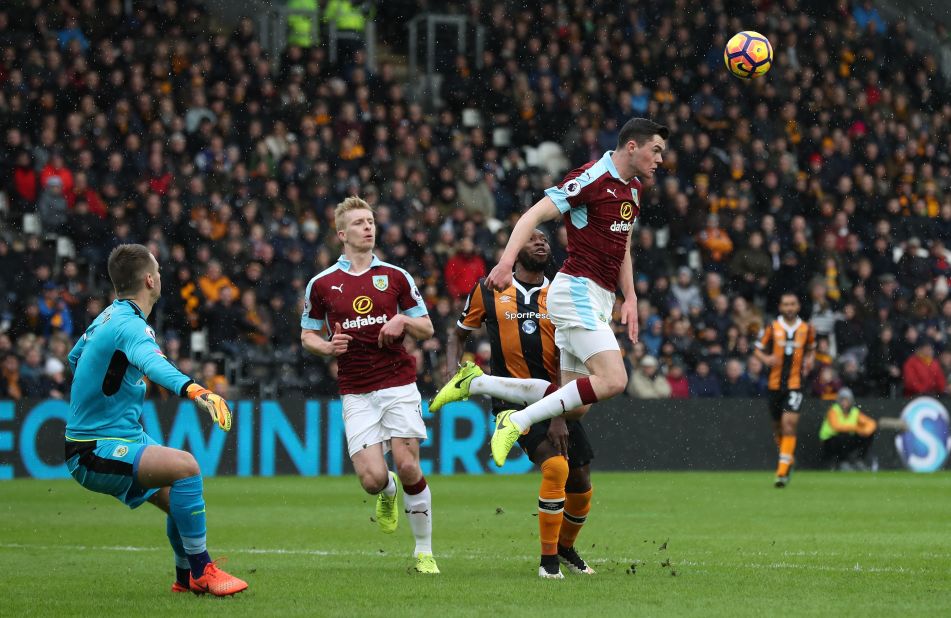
<point>748,54</point>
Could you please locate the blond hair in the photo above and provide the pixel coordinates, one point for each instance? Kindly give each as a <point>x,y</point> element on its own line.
<point>351,203</point>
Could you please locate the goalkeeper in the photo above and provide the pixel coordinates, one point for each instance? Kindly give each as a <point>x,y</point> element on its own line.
<point>107,450</point>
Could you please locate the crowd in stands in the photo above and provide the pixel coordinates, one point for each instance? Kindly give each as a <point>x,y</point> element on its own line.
<point>830,177</point>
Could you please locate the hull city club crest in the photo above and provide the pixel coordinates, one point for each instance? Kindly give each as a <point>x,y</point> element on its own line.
<point>381,282</point>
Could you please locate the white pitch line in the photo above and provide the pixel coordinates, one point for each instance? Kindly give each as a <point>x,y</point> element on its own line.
<point>675,562</point>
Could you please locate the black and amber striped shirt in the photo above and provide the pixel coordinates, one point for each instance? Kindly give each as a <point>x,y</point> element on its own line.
<point>788,344</point>
<point>520,331</point>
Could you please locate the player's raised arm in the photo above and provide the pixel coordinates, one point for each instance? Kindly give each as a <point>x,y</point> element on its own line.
<point>144,353</point>
<point>543,210</point>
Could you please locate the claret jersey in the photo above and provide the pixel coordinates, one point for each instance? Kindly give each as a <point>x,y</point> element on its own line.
<point>362,303</point>
<point>599,210</point>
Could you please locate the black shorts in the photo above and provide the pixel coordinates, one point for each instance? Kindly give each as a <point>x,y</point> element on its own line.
<point>580,452</point>
<point>784,401</point>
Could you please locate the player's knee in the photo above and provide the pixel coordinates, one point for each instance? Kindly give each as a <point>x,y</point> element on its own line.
<point>374,481</point>
<point>614,384</point>
<point>187,465</point>
<point>579,481</point>
<point>578,413</point>
<point>408,471</point>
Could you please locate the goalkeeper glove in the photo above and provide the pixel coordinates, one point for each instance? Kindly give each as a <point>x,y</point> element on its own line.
<point>212,404</point>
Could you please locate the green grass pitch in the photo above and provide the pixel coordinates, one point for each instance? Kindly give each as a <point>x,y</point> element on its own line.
<point>667,544</point>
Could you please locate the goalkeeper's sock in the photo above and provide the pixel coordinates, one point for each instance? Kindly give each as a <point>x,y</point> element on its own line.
<point>418,505</point>
<point>182,566</point>
<point>787,447</point>
<point>551,502</point>
<point>515,390</point>
<point>187,508</point>
<point>181,575</point>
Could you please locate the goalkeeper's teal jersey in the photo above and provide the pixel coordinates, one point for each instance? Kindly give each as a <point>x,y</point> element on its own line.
<point>109,362</point>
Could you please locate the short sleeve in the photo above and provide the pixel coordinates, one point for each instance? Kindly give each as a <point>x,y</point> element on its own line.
<point>314,310</point>
<point>573,191</point>
<point>473,315</point>
<point>765,338</point>
<point>410,300</point>
<point>811,337</point>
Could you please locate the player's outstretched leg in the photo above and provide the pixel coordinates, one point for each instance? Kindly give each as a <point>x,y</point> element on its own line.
<point>505,436</point>
<point>470,380</point>
<point>458,386</point>
<point>165,467</point>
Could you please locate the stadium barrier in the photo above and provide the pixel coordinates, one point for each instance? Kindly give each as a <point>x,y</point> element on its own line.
<point>306,437</point>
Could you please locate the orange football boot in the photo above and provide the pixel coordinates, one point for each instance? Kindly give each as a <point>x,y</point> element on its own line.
<point>217,582</point>
<point>177,587</point>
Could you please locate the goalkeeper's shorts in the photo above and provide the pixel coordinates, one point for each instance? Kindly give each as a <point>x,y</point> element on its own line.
<point>110,466</point>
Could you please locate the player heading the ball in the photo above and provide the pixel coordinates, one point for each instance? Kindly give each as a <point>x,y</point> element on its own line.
<point>599,202</point>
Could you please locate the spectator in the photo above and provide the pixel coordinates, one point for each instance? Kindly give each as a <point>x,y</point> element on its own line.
<point>679,384</point>
<point>463,270</point>
<point>716,245</point>
<point>757,376</point>
<point>56,168</point>
<point>54,312</point>
<point>703,383</point>
<point>685,293</point>
<point>646,382</point>
<point>213,380</point>
<point>223,320</point>
<point>735,383</point>
<point>751,267</point>
<point>922,374</point>
<point>852,378</point>
<point>475,197</point>
<point>33,380</point>
<point>883,369</point>
<point>826,384</point>
<point>52,207</point>
<point>867,17</point>
<point>214,281</point>
<point>11,386</point>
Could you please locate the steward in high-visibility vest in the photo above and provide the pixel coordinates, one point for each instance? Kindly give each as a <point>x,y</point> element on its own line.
<point>846,433</point>
<point>345,15</point>
<point>301,25</point>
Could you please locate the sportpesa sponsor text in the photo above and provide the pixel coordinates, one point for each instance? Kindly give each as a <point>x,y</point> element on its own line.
<point>525,315</point>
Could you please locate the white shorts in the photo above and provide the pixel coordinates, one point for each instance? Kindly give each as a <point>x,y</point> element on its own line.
<point>580,310</point>
<point>372,418</point>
